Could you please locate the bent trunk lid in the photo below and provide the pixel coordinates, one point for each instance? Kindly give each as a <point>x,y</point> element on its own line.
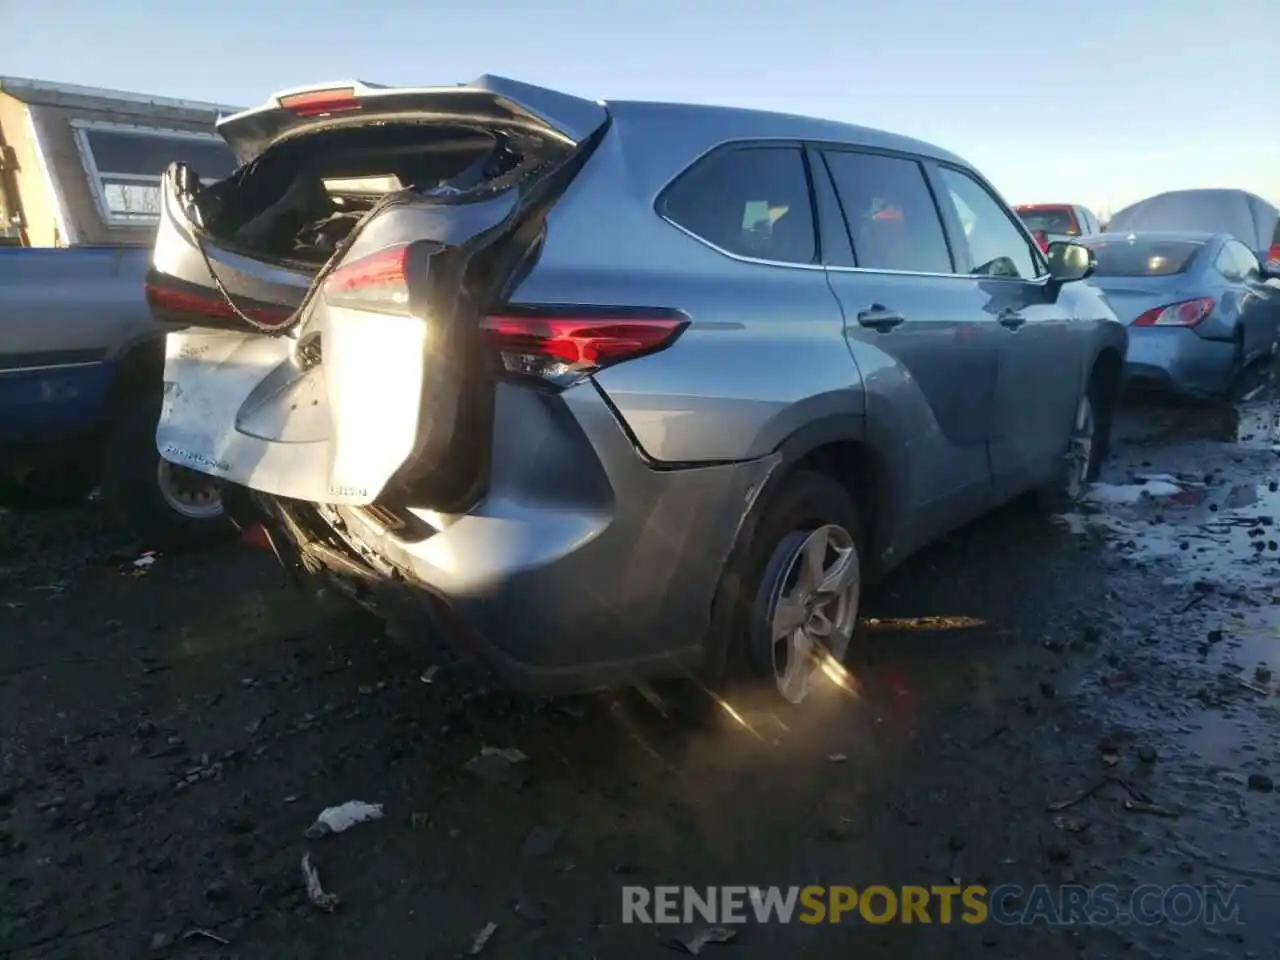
<point>284,392</point>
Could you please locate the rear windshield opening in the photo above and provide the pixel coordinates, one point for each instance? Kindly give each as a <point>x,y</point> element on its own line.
<point>1143,258</point>
<point>301,198</point>
<point>1050,221</point>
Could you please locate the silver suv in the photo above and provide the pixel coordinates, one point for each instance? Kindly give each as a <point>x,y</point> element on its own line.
<point>615,392</point>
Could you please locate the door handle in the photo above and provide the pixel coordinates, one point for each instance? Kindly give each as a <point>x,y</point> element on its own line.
<point>1011,319</point>
<point>880,318</point>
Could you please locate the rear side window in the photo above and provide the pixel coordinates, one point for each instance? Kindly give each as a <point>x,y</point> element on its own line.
<point>893,222</point>
<point>749,201</point>
<point>1149,258</point>
<point>1246,263</point>
<point>997,248</point>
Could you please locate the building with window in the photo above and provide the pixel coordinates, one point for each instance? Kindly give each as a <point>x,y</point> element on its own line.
<point>79,165</point>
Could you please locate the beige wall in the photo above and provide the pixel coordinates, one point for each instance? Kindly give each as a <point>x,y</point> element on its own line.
<point>67,167</point>
<point>33,193</point>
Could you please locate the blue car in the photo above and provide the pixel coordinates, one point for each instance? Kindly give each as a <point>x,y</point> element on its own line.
<point>1199,307</point>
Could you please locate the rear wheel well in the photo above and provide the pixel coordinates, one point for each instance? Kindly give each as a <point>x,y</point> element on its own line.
<point>853,465</point>
<point>1106,374</point>
<point>138,374</point>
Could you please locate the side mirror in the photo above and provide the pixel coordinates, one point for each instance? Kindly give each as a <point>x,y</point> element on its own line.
<point>1069,261</point>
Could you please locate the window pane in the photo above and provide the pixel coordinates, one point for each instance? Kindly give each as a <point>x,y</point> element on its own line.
<point>997,247</point>
<point>149,154</point>
<point>893,222</point>
<point>1144,258</point>
<point>753,202</point>
<point>130,198</point>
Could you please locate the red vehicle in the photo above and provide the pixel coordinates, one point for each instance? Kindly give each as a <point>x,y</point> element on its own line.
<point>1057,221</point>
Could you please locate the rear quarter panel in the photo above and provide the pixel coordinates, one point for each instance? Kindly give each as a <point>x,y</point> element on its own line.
<point>764,354</point>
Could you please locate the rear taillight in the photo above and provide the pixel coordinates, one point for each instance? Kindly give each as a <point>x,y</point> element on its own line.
<point>1273,255</point>
<point>184,305</point>
<point>377,282</point>
<point>1185,314</point>
<point>318,103</point>
<point>560,349</point>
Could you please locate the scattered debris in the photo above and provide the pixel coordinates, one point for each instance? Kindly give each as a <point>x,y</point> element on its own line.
<point>1071,824</point>
<point>207,935</point>
<point>1139,806</point>
<point>838,757</point>
<point>327,902</point>
<point>429,674</point>
<point>482,938</point>
<point>696,943</point>
<point>540,841</point>
<point>499,765</point>
<point>1131,493</point>
<point>1262,673</point>
<point>344,817</point>
<point>1147,754</point>
<point>1084,794</point>
<point>1260,782</point>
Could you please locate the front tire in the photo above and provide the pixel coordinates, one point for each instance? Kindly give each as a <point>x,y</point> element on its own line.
<point>166,507</point>
<point>791,607</point>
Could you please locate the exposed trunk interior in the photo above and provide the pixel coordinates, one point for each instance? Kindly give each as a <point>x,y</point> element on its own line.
<point>298,201</point>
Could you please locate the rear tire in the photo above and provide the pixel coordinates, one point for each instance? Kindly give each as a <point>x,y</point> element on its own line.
<point>153,497</point>
<point>788,600</point>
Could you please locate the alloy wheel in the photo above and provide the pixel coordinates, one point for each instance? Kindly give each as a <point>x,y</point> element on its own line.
<point>813,606</point>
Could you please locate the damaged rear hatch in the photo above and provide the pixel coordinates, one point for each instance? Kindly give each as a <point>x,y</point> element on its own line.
<point>330,291</point>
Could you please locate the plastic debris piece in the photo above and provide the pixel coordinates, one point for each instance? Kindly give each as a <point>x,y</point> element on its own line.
<point>327,902</point>
<point>344,817</point>
<point>482,938</point>
<point>695,944</point>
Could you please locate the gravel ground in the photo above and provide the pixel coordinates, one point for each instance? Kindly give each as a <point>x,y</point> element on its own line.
<point>169,732</point>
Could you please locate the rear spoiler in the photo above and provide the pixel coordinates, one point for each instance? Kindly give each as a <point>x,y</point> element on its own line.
<point>487,101</point>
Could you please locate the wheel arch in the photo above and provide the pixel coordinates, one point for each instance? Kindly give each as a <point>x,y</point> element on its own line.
<point>138,370</point>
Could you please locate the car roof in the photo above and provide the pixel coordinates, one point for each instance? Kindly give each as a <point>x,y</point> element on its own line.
<point>716,124</point>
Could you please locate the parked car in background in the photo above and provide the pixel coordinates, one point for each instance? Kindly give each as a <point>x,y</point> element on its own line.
<point>615,391</point>
<point>1050,222</point>
<point>1246,216</point>
<point>81,365</point>
<point>1198,306</point>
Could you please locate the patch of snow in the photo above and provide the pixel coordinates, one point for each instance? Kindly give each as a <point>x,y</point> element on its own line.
<point>1131,492</point>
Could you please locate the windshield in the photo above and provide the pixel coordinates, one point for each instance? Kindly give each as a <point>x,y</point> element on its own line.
<point>1052,220</point>
<point>1143,258</point>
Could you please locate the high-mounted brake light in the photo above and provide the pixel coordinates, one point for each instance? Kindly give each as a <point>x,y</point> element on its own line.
<point>1184,314</point>
<point>318,103</point>
<point>377,282</point>
<point>212,306</point>
<point>562,350</point>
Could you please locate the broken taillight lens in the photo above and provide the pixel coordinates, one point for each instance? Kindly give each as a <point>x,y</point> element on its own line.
<point>377,282</point>
<point>1185,314</point>
<point>560,350</point>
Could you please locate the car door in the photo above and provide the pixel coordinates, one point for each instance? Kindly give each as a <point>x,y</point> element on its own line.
<point>1039,377</point>
<point>927,354</point>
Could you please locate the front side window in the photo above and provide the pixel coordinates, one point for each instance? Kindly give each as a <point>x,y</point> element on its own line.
<point>997,248</point>
<point>893,222</point>
<point>124,165</point>
<point>749,201</point>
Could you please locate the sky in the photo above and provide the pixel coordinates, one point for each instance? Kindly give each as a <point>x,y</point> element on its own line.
<point>1094,103</point>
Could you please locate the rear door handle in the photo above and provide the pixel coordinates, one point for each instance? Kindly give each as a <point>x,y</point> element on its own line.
<point>1011,319</point>
<point>880,318</point>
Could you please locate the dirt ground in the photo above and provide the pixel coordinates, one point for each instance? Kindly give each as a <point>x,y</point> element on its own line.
<point>169,732</point>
